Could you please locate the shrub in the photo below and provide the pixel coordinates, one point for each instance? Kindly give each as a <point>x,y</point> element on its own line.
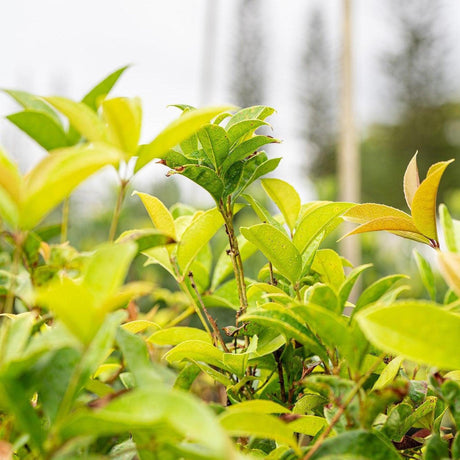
<point>300,373</point>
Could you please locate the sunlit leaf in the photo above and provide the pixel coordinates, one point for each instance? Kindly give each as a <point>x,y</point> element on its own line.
<point>451,229</point>
<point>424,201</point>
<point>421,331</point>
<point>427,275</point>
<point>176,335</point>
<point>214,141</point>
<point>389,373</point>
<point>449,264</point>
<point>411,180</point>
<point>285,197</point>
<point>277,248</point>
<point>176,132</point>
<point>57,175</point>
<point>259,406</point>
<point>124,118</point>
<point>363,213</point>
<point>81,117</point>
<point>329,266</point>
<point>145,238</point>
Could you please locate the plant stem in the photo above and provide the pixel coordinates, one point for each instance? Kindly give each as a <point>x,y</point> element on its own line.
<point>17,251</point>
<point>277,356</point>
<point>211,320</point>
<point>347,401</point>
<point>65,219</point>
<point>116,213</point>
<point>227,214</point>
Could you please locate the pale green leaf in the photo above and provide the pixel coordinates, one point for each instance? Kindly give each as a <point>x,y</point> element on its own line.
<point>426,274</point>
<point>449,264</point>
<point>259,406</point>
<point>318,219</point>
<point>139,325</point>
<point>176,335</point>
<point>308,424</point>
<point>196,236</point>
<point>259,426</point>
<point>145,238</point>
<point>160,256</point>
<point>159,213</point>
<point>451,229</point>
<point>424,201</point>
<point>81,117</point>
<point>389,373</point>
<point>329,266</point>
<point>421,331</point>
<point>363,213</point>
<point>277,248</point>
<point>57,175</point>
<point>285,197</point>
<point>124,119</point>
<point>411,180</point>
<point>176,132</point>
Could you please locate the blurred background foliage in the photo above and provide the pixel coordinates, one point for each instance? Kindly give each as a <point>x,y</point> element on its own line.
<point>420,111</point>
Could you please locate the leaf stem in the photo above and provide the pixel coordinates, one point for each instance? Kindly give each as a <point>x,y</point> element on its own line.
<point>347,401</point>
<point>234,252</point>
<point>65,219</point>
<point>211,320</point>
<point>116,213</point>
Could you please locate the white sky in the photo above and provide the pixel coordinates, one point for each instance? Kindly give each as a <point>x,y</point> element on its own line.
<point>51,46</point>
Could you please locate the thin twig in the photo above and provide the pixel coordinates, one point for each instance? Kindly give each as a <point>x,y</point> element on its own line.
<point>211,320</point>
<point>347,401</point>
<point>277,356</point>
<point>116,213</point>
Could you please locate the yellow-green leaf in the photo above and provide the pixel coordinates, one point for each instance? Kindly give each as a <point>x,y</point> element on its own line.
<point>363,213</point>
<point>390,224</point>
<point>81,117</point>
<point>176,132</point>
<point>139,325</point>
<point>424,201</point>
<point>421,331</point>
<point>159,213</point>
<point>196,235</point>
<point>176,335</point>
<point>285,197</point>
<point>277,248</point>
<point>57,175</point>
<point>124,118</point>
<point>259,406</point>
<point>449,264</point>
<point>411,180</point>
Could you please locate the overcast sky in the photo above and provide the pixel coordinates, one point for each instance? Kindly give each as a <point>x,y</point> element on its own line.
<point>55,46</point>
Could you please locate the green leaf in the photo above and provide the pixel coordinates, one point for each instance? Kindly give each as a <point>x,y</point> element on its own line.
<point>196,236</point>
<point>288,323</point>
<point>205,177</point>
<point>357,444</point>
<point>176,335</point>
<point>420,331</point>
<point>262,212</point>
<point>317,220</point>
<point>81,117</point>
<point>347,285</point>
<point>245,149</point>
<point>328,264</point>
<point>145,238</point>
<point>277,248</point>
<point>151,410</point>
<point>257,112</point>
<point>261,170</point>
<point>176,132</point>
<point>259,406</point>
<point>214,141</point>
<point>41,127</point>
<point>9,210</point>
<point>310,425</point>
<point>436,448</point>
<point>31,102</point>
<point>321,294</point>
<point>376,290</point>
<point>242,130</point>
<point>198,350</point>
<point>93,98</point>
<point>426,273</point>
<point>159,214</point>
<point>137,358</point>
<point>285,197</point>
<point>124,119</point>
<point>389,373</point>
<point>424,201</point>
<point>259,426</point>
<point>57,175</point>
<point>451,229</point>
<point>107,268</point>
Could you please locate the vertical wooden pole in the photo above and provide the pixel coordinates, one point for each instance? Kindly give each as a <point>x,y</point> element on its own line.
<point>349,170</point>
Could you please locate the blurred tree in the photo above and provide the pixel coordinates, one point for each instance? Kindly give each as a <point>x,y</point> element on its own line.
<point>418,87</point>
<point>248,74</point>
<point>318,99</point>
